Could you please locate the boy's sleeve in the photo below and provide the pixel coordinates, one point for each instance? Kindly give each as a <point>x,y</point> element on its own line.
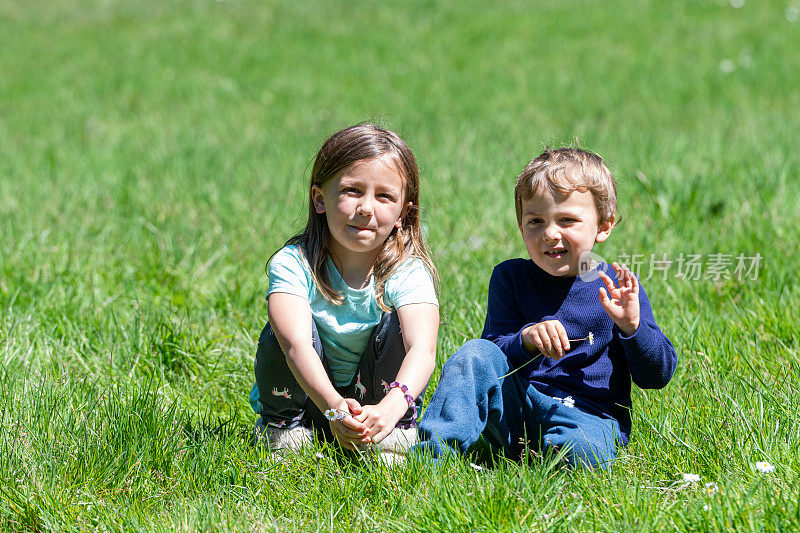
<point>651,356</point>
<point>504,321</point>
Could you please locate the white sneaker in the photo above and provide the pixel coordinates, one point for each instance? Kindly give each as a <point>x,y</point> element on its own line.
<point>392,450</point>
<point>282,440</point>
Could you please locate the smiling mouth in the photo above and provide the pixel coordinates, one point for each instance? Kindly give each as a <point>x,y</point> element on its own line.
<point>555,252</point>
<point>362,228</point>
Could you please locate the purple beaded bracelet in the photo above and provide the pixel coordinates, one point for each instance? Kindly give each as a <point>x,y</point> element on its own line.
<point>410,399</point>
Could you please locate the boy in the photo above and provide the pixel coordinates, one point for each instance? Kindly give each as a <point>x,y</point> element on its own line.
<point>573,337</point>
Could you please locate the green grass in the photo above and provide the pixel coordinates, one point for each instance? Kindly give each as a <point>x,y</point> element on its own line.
<point>154,154</point>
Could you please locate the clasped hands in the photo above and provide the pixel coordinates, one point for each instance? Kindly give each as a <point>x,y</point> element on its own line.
<point>367,424</point>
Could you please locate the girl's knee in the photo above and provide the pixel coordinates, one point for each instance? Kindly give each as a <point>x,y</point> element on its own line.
<point>267,335</point>
<point>268,352</point>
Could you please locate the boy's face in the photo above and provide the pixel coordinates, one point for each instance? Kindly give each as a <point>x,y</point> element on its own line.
<point>557,232</point>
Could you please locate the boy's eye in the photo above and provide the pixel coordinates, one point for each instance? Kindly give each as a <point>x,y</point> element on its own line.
<point>350,190</point>
<point>535,221</point>
<point>568,220</point>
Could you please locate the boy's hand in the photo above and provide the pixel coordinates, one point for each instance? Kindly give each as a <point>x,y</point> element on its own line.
<point>548,337</point>
<point>621,303</point>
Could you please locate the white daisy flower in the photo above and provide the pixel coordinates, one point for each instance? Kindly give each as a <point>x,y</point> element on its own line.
<point>764,467</point>
<point>726,66</point>
<point>691,478</point>
<point>476,467</point>
<point>793,12</point>
<point>711,488</point>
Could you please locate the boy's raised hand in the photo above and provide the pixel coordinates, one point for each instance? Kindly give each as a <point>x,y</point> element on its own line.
<point>548,337</point>
<point>621,303</point>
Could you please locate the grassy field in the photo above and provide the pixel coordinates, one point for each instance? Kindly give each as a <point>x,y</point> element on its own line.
<point>154,154</point>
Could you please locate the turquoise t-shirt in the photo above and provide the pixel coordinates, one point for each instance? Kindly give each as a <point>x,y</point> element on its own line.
<point>345,329</point>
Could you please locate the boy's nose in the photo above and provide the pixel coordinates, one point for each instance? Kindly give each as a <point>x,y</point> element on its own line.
<point>552,233</point>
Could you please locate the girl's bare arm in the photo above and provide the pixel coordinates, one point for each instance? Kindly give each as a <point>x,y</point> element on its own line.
<point>290,318</point>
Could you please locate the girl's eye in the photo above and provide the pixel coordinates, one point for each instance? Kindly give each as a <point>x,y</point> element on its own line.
<point>535,221</point>
<point>569,220</point>
<point>385,196</point>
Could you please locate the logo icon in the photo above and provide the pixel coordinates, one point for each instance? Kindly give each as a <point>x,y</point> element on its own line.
<point>589,266</point>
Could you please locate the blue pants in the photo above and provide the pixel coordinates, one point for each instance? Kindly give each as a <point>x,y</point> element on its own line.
<point>509,412</point>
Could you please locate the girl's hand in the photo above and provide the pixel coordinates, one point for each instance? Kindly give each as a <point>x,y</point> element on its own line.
<point>621,303</point>
<point>419,324</point>
<point>382,418</point>
<point>350,432</point>
<point>548,337</point>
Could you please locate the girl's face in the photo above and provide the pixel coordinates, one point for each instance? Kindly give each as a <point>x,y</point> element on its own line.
<point>362,205</point>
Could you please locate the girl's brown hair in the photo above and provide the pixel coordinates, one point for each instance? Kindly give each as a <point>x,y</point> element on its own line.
<point>364,142</point>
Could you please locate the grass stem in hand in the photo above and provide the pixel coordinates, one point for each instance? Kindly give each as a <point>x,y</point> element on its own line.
<point>589,338</point>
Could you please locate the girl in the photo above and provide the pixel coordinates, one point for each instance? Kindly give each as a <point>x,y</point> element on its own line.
<point>352,306</point>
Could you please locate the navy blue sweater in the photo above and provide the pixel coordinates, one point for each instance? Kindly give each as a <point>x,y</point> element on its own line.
<point>597,376</point>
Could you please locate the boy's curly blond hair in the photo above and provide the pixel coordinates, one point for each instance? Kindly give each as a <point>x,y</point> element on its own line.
<point>561,171</point>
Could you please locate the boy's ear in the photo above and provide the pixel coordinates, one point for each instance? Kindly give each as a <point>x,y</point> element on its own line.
<point>604,229</point>
<point>317,199</point>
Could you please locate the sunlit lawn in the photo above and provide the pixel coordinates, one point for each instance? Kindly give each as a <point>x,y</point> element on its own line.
<point>154,154</point>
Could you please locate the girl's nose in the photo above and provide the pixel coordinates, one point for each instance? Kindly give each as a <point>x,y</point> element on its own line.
<point>364,208</point>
